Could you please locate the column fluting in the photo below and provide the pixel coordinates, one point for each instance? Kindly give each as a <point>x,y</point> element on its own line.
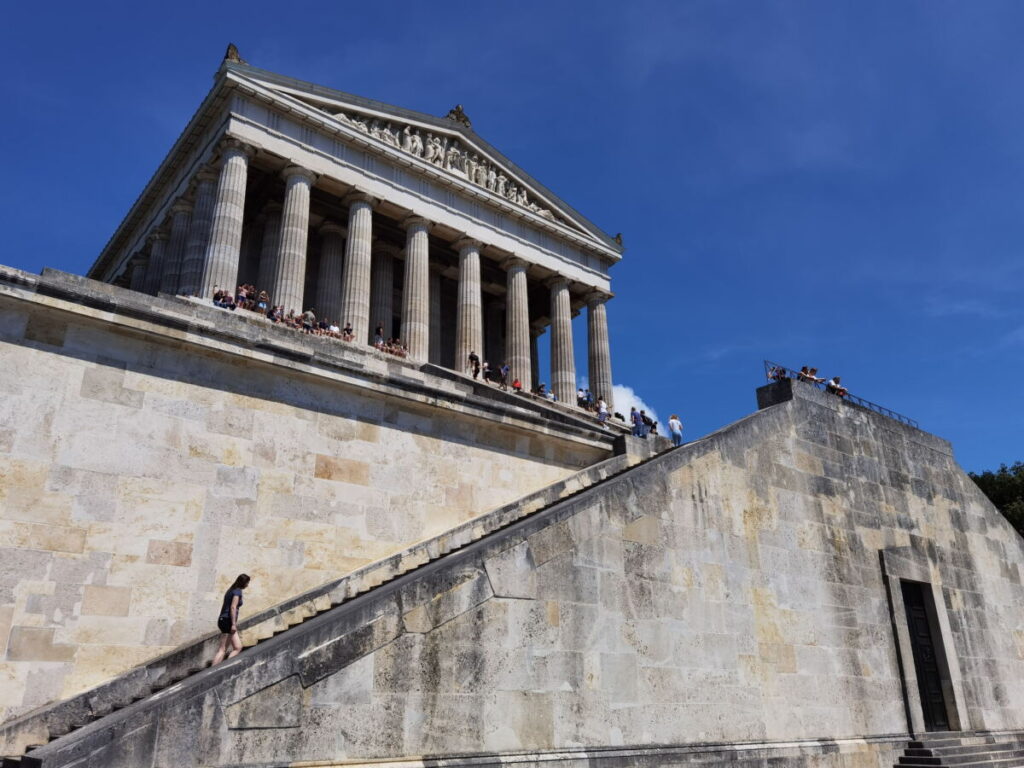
<point>469,322</point>
<point>170,278</point>
<point>355,279</point>
<point>271,241</point>
<point>154,270</point>
<point>220,264</point>
<point>416,290</point>
<point>328,281</point>
<point>198,231</point>
<point>137,280</point>
<point>435,317</point>
<point>563,366</point>
<point>517,322</point>
<point>599,356</point>
<point>382,291</point>
<point>290,268</point>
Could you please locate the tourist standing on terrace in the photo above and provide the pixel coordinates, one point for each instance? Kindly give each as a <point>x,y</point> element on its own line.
<point>675,429</point>
<point>227,621</point>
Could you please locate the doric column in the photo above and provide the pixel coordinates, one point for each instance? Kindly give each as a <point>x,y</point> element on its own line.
<point>181,213</point>
<point>267,270</point>
<point>198,231</point>
<point>382,291</point>
<point>328,281</point>
<point>469,319</point>
<point>157,247</point>
<point>355,279</point>
<point>416,291</point>
<point>517,322</point>
<point>220,264</point>
<point>599,355</point>
<point>563,366</point>
<point>435,317</point>
<point>290,269</point>
<point>536,331</point>
<point>137,265</point>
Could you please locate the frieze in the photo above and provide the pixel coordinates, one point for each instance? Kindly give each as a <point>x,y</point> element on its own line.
<point>447,153</point>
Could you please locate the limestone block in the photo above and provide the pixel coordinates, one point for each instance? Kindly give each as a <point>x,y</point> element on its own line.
<point>470,589</point>
<point>342,470</point>
<point>36,644</point>
<point>107,384</point>
<point>511,572</point>
<point>106,601</point>
<point>177,553</point>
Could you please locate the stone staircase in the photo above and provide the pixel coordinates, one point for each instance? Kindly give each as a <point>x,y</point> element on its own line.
<point>965,750</point>
<point>20,736</point>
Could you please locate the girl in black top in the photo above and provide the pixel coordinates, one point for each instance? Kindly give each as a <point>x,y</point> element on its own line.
<point>227,621</point>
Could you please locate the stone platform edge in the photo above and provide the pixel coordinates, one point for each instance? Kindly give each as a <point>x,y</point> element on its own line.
<point>177,320</point>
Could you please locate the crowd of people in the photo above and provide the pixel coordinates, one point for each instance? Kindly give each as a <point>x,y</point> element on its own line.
<point>248,298</point>
<point>833,386</point>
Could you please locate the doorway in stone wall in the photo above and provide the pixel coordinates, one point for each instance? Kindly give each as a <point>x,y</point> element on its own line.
<point>928,652</point>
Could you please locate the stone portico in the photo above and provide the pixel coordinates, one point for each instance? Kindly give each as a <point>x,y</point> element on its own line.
<point>371,215</point>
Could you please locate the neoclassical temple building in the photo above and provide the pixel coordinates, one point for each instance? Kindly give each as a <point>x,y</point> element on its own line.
<point>371,215</point>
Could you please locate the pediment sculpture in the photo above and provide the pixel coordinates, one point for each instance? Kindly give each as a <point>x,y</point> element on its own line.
<point>447,153</point>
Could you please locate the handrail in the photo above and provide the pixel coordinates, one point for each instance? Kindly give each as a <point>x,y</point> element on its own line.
<point>775,372</point>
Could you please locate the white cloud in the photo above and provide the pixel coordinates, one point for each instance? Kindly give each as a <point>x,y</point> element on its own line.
<point>625,398</point>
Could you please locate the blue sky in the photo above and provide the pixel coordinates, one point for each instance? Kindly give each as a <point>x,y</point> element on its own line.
<point>831,183</point>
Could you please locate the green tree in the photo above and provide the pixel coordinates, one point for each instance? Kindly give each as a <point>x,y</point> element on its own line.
<point>1005,489</point>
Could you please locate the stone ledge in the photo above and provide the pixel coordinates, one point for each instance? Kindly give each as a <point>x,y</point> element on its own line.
<point>181,320</point>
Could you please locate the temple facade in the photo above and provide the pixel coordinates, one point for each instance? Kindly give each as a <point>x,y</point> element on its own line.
<point>373,216</point>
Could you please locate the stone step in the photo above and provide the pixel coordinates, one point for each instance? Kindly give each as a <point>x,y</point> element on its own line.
<point>998,759</point>
<point>947,752</point>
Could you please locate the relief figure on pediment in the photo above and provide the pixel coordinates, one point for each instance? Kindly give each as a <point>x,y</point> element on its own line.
<point>453,158</point>
<point>521,198</point>
<point>492,178</point>
<point>429,148</point>
<point>481,175</point>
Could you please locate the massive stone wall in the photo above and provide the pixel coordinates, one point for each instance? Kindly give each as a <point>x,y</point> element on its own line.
<point>741,591</point>
<point>145,460</point>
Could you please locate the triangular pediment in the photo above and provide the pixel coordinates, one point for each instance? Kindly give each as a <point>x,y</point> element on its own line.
<point>447,144</point>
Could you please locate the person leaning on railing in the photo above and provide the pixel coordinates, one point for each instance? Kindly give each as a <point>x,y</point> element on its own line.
<point>836,388</point>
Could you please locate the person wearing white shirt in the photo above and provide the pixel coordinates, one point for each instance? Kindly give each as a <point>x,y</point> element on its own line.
<point>675,428</point>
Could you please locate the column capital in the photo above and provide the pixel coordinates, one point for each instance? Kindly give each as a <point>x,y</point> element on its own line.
<point>333,228</point>
<point>512,262</point>
<point>182,205</point>
<point>156,235</point>
<point>233,146</point>
<point>205,173</point>
<point>360,196</point>
<point>385,247</point>
<point>271,207</point>
<point>414,221</point>
<point>298,170</point>
<point>596,296</point>
<point>557,281</point>
<point>465,242</point>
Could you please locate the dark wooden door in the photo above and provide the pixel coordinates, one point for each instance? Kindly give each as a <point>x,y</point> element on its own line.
<point>929,678</point>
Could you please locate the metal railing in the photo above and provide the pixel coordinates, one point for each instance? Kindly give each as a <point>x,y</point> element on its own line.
<point>776,372</point>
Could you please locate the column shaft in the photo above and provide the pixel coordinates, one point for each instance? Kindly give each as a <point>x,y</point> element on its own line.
<point>198,232</point>
<point>355,280</point>
<point>435,318</point>
<point>290,268</point>
<point>154,271</point>
<point>416,293</point>
<point>599,356</point>
<point>517,323</point>
<point>220,264</point>
<point>382,294</point>
<point>181,213</point>
<point>137,281</point>
<point>267,270</point>
<point>328,285</point>
<point>469,322</point>
<point>563,367</point>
